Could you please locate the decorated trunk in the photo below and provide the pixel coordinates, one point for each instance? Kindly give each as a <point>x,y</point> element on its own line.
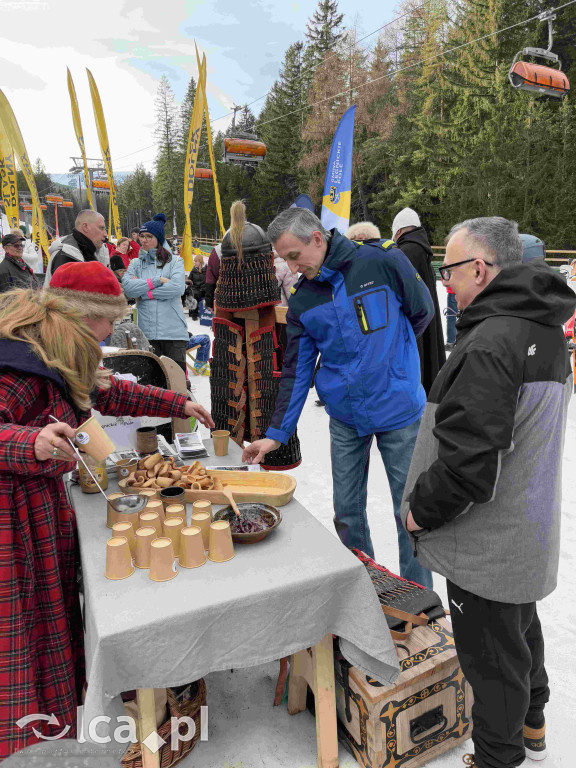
<point>426,712</point>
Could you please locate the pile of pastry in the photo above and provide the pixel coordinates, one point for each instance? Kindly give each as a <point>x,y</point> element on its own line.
<point>156,473</point>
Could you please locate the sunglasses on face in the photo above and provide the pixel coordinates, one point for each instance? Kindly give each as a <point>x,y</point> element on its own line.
<point>445,270</point>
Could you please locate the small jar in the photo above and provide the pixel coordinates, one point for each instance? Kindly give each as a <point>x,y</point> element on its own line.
<point>98,469</point>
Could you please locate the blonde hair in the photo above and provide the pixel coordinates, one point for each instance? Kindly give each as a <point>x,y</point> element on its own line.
<point>363,230</point>
<point>122,240</point>
<point>237,221</point>
<point>58,336</point>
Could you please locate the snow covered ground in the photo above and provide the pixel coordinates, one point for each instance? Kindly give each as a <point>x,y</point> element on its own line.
<point>247,732</point>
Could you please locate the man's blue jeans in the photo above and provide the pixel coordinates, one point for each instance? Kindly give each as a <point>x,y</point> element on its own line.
<point>451,315</point>
<point>203,354</point>
<point>350,461</point>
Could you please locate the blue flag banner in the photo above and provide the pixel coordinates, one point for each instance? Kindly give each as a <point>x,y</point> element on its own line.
<point>303,201</point>
<point>338,182</point>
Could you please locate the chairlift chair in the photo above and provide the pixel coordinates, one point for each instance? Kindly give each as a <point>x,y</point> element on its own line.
<point>538,78</point>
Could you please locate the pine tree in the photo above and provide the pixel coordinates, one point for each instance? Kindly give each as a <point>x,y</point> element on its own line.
<point>279,127</point>
<point>247,121</point>
<point>323,31</point>
<point>135,198</point>
<point>168,183</point>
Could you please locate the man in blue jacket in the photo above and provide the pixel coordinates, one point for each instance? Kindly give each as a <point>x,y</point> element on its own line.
<point>361,306</point>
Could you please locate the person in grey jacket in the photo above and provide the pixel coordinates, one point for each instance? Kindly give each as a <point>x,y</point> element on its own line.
<point>483,494</point>
<point>156,279</point>
<point>84,244</point>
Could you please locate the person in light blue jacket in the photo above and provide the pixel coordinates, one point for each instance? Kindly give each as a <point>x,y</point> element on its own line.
<point>156,279</point>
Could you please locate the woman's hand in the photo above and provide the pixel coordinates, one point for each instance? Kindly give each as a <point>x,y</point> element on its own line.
<point>200,413</point>
<point>51,443</point>
<point>164,280</point>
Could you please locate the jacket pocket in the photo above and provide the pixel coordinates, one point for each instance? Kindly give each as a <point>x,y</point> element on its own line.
<point>372,311</point>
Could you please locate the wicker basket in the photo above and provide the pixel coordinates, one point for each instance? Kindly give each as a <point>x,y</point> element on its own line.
<point>168,758</point>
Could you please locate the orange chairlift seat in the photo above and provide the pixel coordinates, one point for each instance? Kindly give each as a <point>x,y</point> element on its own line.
<point>203,173</point>
<point>539,78</point>
<point>244,150</point>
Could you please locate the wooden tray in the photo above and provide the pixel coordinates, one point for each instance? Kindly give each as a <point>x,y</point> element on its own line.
<point>274,488</point>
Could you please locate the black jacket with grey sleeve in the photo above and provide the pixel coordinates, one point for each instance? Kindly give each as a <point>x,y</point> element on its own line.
<point>485,478</point>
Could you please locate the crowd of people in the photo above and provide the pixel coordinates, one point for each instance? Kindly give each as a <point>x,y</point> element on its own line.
<point>471,445</point>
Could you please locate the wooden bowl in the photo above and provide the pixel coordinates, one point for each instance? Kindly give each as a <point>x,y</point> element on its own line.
<point>248,510</point>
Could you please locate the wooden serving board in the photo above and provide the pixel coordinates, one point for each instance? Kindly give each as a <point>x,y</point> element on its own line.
<point>274,488</point>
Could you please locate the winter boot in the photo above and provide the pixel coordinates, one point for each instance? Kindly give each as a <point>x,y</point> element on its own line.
<point>535,742</point>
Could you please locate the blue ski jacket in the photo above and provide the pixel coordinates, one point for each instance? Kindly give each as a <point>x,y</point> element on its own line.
<point>362,313</point>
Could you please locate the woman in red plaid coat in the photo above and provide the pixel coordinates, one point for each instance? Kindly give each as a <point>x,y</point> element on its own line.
<point>50,365</point>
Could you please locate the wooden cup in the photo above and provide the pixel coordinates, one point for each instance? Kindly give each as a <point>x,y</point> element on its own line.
<point>118,559</point>
<point>144,539</point>
<point>220,439</point>
<point>202,520</point>
<point>125,467</point>
<point>192,554</point>
<point>162,562</point>
<point>172,528</point>
<point>126,530</point>
<point>221,548</point>
<point>146,440</point>
<point>93,440</point>
<point>172,495</point>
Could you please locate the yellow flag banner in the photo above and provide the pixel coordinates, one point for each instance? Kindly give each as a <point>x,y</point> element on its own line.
<point>202,79</point>
<point>80,136</point>
<point>14,136</point>
<point>105,148</point>
<point>8,185</point>
<point>190,168</point>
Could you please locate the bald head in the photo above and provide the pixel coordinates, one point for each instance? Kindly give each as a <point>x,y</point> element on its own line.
<point>92,226</point>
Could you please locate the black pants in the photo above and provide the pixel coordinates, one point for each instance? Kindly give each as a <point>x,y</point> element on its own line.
<point>176,350</point>
<point>501,651</point>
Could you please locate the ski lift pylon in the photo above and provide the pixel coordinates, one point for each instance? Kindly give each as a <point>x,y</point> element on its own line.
<point>538,78</point>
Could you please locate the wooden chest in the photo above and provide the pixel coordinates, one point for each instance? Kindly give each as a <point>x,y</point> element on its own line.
<point>427,710</point>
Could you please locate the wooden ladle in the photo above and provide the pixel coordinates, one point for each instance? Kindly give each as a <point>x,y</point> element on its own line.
<point>228,493</point>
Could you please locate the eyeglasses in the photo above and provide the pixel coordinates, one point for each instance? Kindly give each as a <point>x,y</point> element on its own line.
<point>19,244</point>
<point>445,271</point>
<point>146,236</point>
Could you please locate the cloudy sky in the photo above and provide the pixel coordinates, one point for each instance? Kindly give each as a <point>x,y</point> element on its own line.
<point>128,45</point>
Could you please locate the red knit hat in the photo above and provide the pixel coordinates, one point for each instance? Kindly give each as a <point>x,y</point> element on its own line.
<point>90,288</point>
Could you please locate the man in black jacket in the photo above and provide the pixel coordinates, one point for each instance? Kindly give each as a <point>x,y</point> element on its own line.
<point>14,272</point>
<point>484,492</point>
<point>412,240</point>
<point>82,245</point>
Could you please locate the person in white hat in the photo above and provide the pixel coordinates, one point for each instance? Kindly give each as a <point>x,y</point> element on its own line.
<point>411,238</point>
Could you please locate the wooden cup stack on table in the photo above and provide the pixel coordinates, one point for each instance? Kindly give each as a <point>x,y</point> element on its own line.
<point>203,506</point>
<point>203,521</point>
